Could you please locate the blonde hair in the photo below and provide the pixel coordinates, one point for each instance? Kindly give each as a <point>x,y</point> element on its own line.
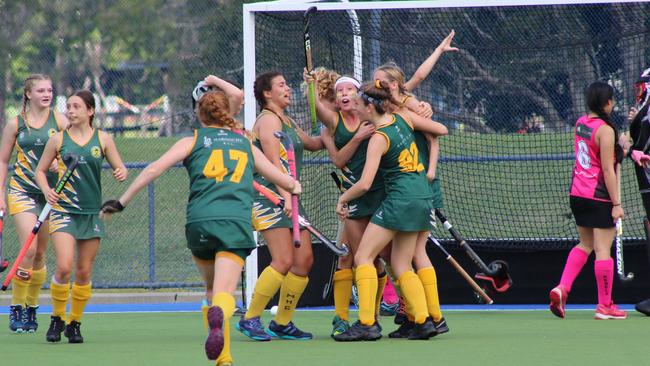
<point>326,80</point>
<point>214,110</point>
<point>395,73</point>
<point>28,85</point>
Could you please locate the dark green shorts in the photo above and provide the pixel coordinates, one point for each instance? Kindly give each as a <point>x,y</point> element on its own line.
<point>266,215</point>
<point>366,205</point>
<point>437,193</point>
<point>206,238</point>
<point>81,227</point>
<point>405,214</point>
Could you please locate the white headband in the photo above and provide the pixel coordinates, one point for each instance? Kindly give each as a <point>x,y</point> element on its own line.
<point>347,79</point>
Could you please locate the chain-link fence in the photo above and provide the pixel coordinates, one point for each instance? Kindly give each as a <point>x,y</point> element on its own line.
<point>520,69</point>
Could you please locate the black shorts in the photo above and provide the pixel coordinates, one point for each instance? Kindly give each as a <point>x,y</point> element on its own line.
<point>592,213</point>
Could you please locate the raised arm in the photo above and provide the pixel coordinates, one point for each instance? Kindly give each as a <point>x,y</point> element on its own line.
<point>326,115</point>
<point>113,157</point>
<point>179,151</point>
<point>234,94</point>
<point>6,147</point>
<point>425,68</point>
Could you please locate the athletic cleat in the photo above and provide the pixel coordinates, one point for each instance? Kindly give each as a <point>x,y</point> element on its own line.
<point>441,326</point>
<point>289,331</point>
<point>400,316</point>
<point>253,329</point>
<point>17,318</point>
<point>30,320</point>
<point>214,342</point>
<point>339,326</point>
<point>386,309</point>
<point>56,328</point>
<point>423,331</point>
<point>402,331</point>
<point>359,332</point>
<point>558,297</point>
<point>609,312</point>
<point>73,332</point>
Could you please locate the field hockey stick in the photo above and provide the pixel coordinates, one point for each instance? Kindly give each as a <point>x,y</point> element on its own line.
<point>291,159</point>
<point>3,263</point>
<point>271,196</point>
<point>495,269</point>
<point>620,262</point>
<point>339,233</point>
<point>71,161</point>
<point>311,95</point>
<point>479,291</point>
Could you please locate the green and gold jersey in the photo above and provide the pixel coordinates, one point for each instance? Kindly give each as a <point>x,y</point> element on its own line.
<point>404,175</point>
<point>353,168</point>
<point>288,127</point>
<point>30,143</point>
<point>82,194</point>
<point>220,167</point>
<point>423,148</point>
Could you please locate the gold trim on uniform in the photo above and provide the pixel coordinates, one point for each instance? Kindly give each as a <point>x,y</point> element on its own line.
<point>19,202</point>
<point>58,221</point>
<point>263,219</point>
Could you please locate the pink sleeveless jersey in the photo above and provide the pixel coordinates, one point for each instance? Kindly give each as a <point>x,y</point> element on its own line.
<point>588,180</point>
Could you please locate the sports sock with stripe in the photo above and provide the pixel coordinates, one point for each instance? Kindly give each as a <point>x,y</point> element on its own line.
<point>292,288</point>
<point>267,285</point>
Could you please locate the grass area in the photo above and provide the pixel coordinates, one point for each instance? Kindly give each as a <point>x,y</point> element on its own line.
<point>476,338</point>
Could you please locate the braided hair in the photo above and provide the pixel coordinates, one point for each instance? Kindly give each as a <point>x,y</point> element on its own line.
<point>28,85</point>
<point>214,110</point>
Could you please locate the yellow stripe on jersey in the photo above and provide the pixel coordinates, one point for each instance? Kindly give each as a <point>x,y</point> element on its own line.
<point>387,142</point>
<point>19,202</point>
<point>58,221</point>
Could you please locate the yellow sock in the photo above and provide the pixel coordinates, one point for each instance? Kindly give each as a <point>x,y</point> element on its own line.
<point>292,288</point>
<point>226,302</point>
<point>80,296</point>
<point>342,293</point>
<point>267,285</point>
<point>381,284</point>
<point>35,285</point>
<point>60,295</point>
<point>366,278</point>
<point>430,283</point>
<point>204,313</point>
<point>414,294</point>
<point>19,291</point>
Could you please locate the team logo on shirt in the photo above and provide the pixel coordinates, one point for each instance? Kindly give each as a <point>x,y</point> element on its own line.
<point>21,136</point>
<point>96,152</point>
<point>583,155</point>
<point>207,142</point>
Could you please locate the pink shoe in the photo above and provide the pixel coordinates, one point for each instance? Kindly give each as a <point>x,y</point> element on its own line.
<point>609,312</point>
<point>558,297</point>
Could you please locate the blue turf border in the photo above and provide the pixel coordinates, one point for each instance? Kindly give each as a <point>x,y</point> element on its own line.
<point>191,306</point>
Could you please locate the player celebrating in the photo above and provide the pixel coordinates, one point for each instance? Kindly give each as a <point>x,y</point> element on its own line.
<point>74,219</point>
<point>595,201</point>
<point>289,266</point>
<point>28,133</point>
<point>220,161</point>
<point>392,151</point>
